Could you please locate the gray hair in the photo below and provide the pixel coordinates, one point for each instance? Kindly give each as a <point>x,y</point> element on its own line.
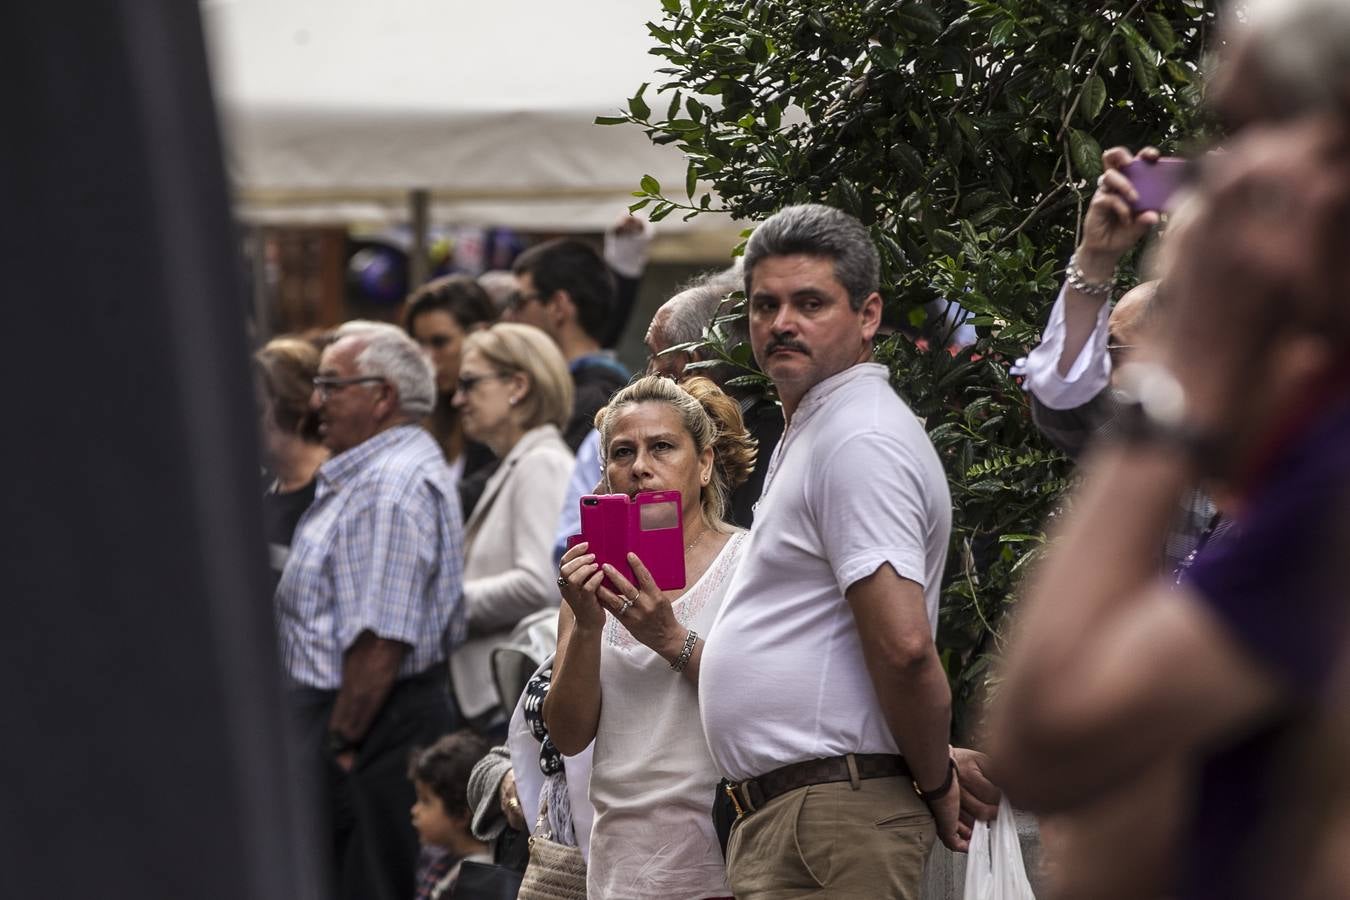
<point>693,308</point>
<point>1303,46</point>
<point>387,352</point>
<point>816,230</point>
<point>500,286</point>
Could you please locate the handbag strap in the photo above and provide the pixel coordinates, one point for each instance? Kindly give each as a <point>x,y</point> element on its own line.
<point>541,821</point>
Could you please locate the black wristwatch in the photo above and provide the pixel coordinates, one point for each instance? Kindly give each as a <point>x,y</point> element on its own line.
<point>1151,408</point>
<point>338,744</point>
<point>939,793</point>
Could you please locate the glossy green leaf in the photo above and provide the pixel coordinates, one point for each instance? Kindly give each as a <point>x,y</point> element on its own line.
<point>1086,153</point>
<point>1094,97</point>
<point>638,107</point>
<point>918,18</point>
<point>1161,31</point>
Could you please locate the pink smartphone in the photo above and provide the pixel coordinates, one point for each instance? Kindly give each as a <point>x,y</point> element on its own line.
<point>650,525</point>
<point>1156,182</point>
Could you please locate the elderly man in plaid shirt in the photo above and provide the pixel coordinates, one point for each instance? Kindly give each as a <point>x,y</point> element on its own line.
<point>369,603</point>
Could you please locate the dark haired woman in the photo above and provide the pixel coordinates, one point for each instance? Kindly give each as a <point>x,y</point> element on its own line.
<point>439,316</point>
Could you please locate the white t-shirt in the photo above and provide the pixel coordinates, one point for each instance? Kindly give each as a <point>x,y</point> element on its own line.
<point>653,780</point>
<point>854,484</point>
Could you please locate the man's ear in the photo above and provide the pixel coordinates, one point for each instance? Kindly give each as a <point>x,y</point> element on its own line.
<point>561,308</point>
<point>387,404</point>
<point>871,315</point>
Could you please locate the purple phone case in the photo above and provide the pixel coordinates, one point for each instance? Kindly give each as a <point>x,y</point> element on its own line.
<point>612,525</point>
<point>1156,183</point>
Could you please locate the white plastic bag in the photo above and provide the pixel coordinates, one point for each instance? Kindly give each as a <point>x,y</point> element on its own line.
<point>994,869</point>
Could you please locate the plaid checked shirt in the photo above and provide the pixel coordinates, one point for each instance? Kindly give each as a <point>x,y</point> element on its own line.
<point>380,550</point>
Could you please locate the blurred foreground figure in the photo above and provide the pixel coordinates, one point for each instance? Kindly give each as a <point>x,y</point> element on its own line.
<point>1114,672</point>
<point>369,603</point>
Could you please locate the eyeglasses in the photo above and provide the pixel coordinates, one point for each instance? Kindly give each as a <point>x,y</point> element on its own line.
<point>519,300</point>
<point>327,384</point>
<point>468,382</point>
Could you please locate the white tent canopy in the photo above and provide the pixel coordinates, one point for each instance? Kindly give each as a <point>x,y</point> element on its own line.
<point>335,109</point>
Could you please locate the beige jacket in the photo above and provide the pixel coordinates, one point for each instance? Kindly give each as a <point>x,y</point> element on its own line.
<point>508,557</point>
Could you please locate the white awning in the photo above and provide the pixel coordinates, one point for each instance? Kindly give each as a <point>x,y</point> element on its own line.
<point>333,110</point>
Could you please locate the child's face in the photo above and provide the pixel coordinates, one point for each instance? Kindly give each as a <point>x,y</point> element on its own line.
<point>433,826</point>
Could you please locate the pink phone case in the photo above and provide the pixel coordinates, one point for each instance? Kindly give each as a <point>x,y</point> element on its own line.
<point>650,525</point>
<point>1156,182</point>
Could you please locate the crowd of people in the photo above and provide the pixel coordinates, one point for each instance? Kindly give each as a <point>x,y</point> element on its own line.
<point>780,724</point>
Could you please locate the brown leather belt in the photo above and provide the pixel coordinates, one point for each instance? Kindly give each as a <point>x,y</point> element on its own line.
<point>751,794</point>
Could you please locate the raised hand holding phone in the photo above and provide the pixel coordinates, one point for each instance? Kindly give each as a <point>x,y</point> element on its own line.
<point>1111,226</point>
<point>644,609</point>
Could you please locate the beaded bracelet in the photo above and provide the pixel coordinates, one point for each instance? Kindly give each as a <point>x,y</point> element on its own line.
<point>686,651</point>
<point>1074,276</point>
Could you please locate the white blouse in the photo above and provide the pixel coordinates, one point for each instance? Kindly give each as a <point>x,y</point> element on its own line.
<point>652,777</point>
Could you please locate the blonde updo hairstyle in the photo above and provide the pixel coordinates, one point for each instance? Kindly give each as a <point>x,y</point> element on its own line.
<point>712,419</point>
<point>513,347</point>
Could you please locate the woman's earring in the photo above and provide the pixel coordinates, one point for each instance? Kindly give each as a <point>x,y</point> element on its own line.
<point>511,401</point>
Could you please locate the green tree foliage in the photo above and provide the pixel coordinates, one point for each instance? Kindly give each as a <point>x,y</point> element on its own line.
<point>967,135</point>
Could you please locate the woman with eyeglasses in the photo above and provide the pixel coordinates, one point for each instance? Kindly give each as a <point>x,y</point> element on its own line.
<point>439,316</point>
<point>514,394</point>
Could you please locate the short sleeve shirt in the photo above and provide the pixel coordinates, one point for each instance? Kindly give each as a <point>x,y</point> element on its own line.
<point>379,550</point>
<point>854,485</point>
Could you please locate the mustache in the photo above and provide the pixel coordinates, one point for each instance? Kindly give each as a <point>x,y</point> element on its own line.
<point>786,344</point>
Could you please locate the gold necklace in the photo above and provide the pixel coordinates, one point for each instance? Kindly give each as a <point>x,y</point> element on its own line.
<point>690,546</point>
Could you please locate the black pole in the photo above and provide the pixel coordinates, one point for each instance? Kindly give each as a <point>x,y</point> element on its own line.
<point>143,753</point>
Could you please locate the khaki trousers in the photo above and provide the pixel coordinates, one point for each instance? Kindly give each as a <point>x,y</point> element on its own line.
<point>829,840</point>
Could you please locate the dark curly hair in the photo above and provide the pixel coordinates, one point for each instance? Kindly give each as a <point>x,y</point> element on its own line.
<point>444,768</point>
<point>458,295</point>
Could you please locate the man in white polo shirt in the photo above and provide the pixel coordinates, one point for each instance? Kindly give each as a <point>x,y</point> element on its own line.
<point>822,695</point>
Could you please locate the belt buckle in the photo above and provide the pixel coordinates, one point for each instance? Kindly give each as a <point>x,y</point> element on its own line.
<point>737,793</point>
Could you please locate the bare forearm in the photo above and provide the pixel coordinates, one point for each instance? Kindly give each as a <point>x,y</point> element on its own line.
<point>917,703</point>
<point>1107,552</point>
<point>572,707</point>
<point>1060,689</point>
<point>893,625</point>
<point>368,674</point>
<point>671,650</point>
